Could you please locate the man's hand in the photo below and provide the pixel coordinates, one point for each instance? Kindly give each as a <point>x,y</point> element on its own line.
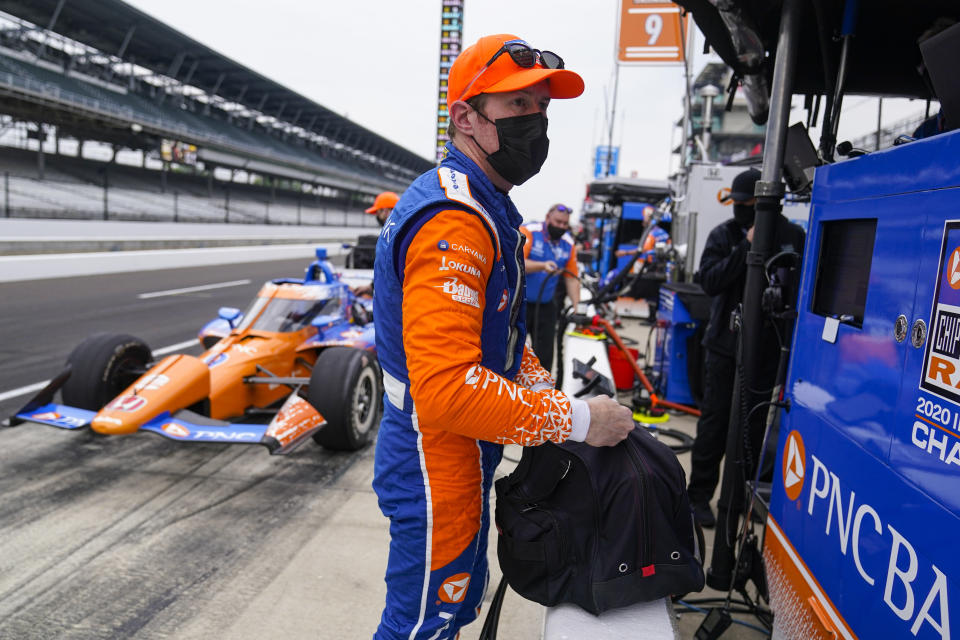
<point>750,235</point>
<point>550,266</point>
<point>610,422</point>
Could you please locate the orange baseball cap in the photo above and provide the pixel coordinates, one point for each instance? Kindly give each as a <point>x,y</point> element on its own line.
<point>504,74</point>
<point>385,200</point>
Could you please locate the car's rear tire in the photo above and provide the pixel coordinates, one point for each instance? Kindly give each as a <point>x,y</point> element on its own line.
<point>345,388</point>
<point>102,366</point>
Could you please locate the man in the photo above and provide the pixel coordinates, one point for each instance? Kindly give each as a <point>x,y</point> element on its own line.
<point>723,276</point>
<point>550,255</point>
<point>449,313</point>
<point>383,204</point>
<point>657,235</point>
<point>362,254</point>
<point>648,272</point>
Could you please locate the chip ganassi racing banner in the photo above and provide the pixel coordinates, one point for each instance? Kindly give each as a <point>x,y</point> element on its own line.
<point>941,362</point>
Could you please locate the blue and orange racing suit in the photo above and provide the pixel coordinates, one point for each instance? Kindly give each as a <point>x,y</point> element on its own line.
<point>459,383</point>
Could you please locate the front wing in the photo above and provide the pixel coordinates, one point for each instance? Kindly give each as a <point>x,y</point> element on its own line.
<point>295,421</point>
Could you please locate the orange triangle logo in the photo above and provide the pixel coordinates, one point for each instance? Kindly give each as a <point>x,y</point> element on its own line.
<point>794,465</point>
<point>454,588</point>
<point>953,269</point>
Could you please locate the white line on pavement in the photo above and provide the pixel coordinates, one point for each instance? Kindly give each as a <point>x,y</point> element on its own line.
<point>22,391</point>
<point>175,347</point>
<point>30,388</point>
<point>202,287</point>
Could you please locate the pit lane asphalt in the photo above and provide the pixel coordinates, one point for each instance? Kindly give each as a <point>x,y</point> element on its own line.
<point>120,537</point>
<point>142,537</point>
<point>42,320</point>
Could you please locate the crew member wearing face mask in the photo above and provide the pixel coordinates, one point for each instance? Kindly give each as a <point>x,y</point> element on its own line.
<point>383,206</point>
<point>450,328</point>
<point>550,256</point>
<point>722,275</point>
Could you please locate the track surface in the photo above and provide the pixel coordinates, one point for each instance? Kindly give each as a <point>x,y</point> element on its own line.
<point>138,536</point>
<point>142,537</point>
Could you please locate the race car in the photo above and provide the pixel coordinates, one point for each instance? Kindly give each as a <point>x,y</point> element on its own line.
<point>303,355</point>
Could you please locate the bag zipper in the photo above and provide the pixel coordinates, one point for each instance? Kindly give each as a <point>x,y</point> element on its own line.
<point>641,467</point>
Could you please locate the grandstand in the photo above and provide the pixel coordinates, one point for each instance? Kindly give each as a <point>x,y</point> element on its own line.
<point>108,113</point>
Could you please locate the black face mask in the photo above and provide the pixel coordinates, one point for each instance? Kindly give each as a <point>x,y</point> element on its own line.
<point>523,146</point>
<point>555,233</point>
<point>744,214</point>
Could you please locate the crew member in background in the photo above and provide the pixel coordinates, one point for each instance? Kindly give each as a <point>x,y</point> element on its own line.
<point>449,311</point>
<point>362,254</point>
<point>657,235</point>
<point>550,255</point>
<point>580,235</point>
<point>723,268</point>
<point>383,205</point>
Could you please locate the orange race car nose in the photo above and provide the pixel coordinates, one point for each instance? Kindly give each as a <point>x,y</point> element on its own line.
<point>176,382</point>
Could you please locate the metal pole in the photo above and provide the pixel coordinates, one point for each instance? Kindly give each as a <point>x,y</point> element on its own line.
<point>849,22</point>
<point>41,134</point>
<point>6,193</point>
<point>838,91</point>
<point>106,186</point>
<point>879,118</point>
<point>685,138</point>
<point>769,191</point>
<point>690,265</point>
<point>829,81</point>
<point>708,93</point>
<point>613,113</point>
<point>176,207</point>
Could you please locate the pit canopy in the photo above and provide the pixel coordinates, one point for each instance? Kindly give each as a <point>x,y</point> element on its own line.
<point>619,190</point>
<point>883,59</point>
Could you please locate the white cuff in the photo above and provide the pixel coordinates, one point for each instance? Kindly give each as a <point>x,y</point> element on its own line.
<point>581,419</point>
<point>542,386</point>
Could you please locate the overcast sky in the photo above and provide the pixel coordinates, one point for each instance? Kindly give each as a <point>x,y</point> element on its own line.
<point>376,62</point>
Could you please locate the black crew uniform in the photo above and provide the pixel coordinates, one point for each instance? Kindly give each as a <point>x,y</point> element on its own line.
<point>722,276</point>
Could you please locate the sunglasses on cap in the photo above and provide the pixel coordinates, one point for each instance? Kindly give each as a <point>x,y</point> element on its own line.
<point>523,55</point>
<point>563,209</point>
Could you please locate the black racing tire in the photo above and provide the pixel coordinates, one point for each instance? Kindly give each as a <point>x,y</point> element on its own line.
<point>346,389</point>
<point>102,366</point>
